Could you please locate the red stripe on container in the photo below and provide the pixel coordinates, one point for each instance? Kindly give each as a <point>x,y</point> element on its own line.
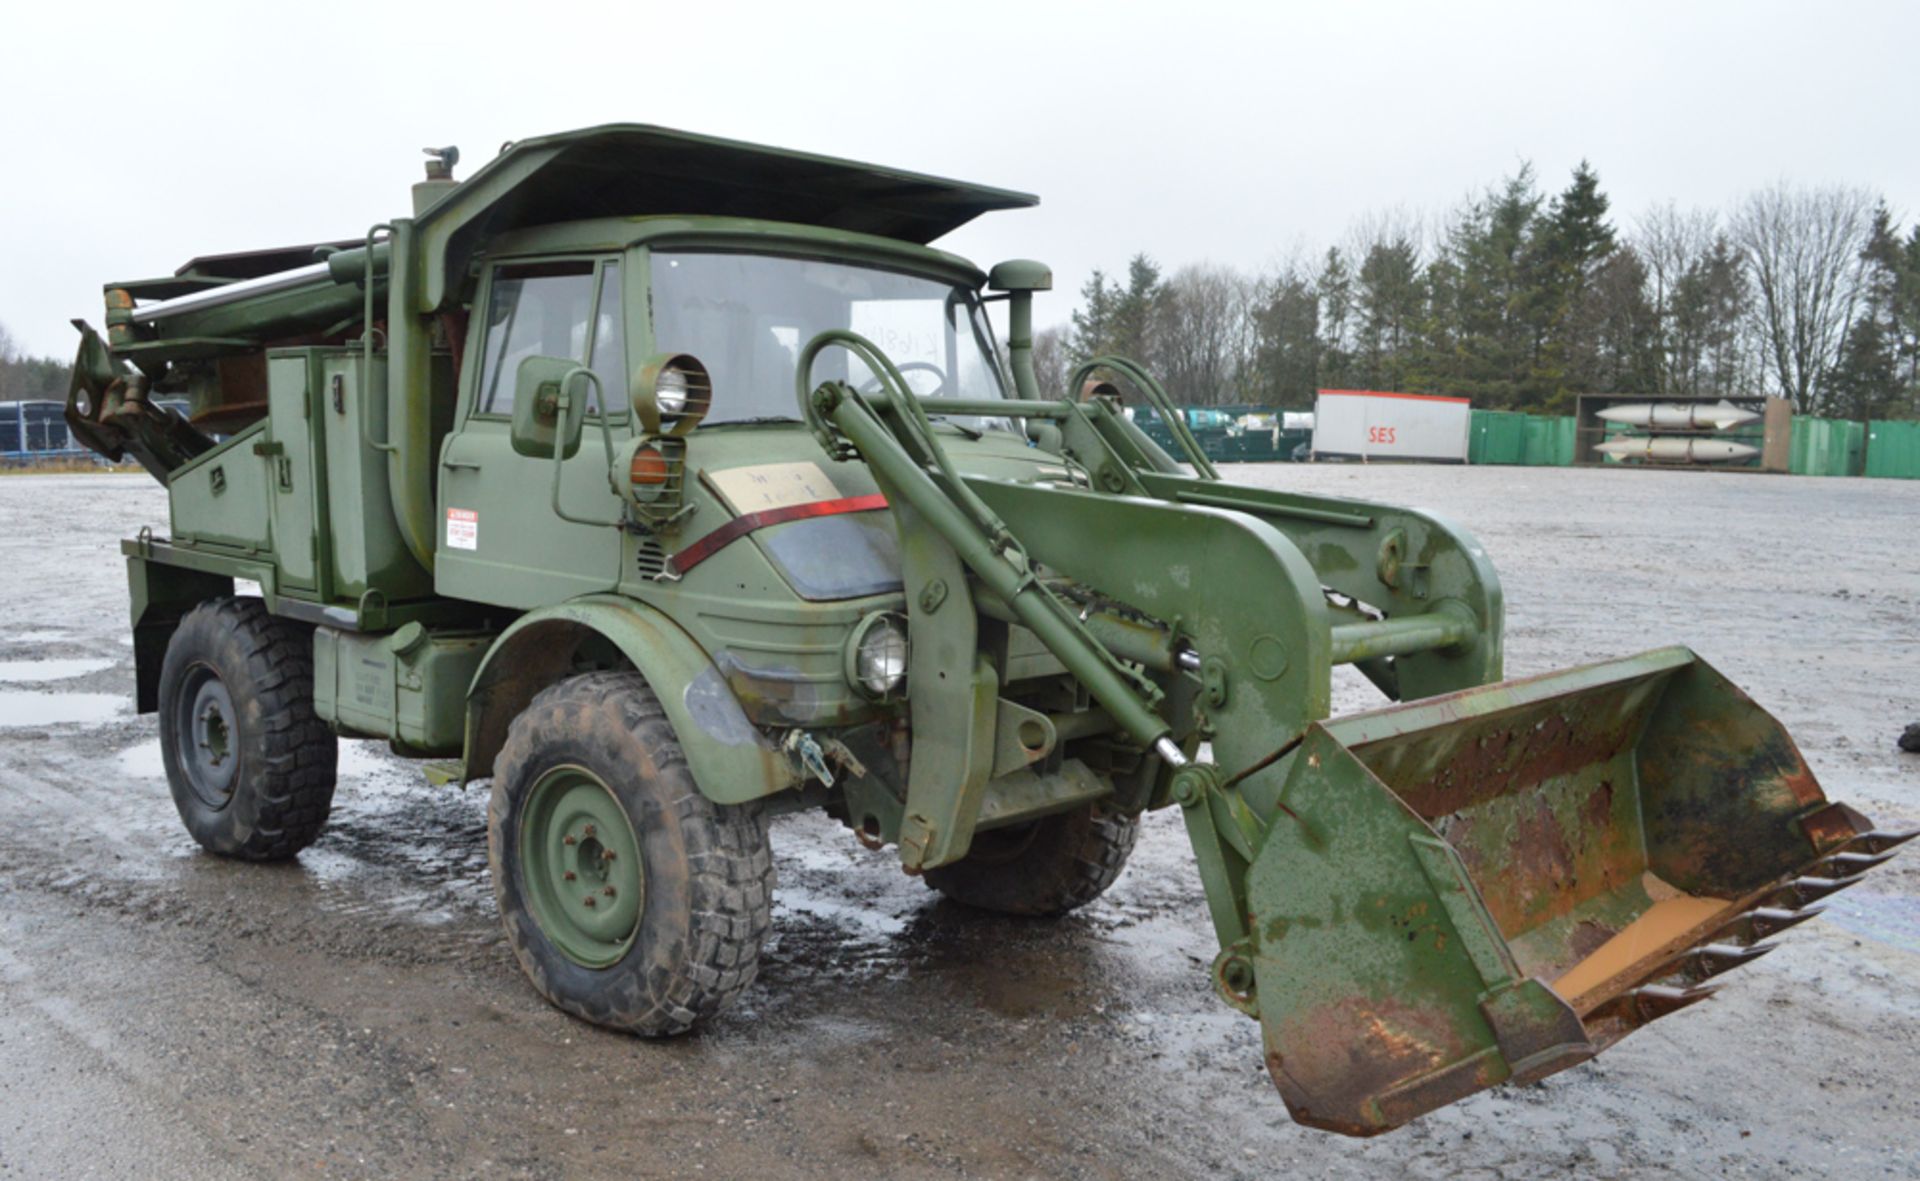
<point>1382,394</point>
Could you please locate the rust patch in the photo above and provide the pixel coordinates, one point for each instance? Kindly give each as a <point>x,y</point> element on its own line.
<point>1834,825</point>
<point>1801,783</point>
<point>1334,1063</point>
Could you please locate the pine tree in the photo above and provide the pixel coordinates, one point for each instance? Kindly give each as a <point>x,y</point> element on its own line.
<point>1135,312</point>
<point>1490,269</point>
<point>1333,290</point>
<point>1093,319</point>
<point>1390,297</point>
<point>1287,343</point>
<point>1568,249</point>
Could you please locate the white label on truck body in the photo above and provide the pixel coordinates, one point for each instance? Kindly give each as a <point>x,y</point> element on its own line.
<point>463,528</point>
<point>773,485</point>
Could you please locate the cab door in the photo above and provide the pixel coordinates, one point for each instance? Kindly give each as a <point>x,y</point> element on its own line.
<point>500,541</point>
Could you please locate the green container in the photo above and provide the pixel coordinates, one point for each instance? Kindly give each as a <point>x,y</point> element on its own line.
<point>1893,450</point>
<point>1497,436</point>
<point>1549,441</point>
<point>1827,447</point>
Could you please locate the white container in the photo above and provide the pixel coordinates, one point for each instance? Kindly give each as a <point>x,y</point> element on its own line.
<point>1369,425</point>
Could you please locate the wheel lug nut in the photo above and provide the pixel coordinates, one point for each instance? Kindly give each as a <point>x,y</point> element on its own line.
<point>569,839</point>
<point>589,900</point>
<point>608,891</point>
<point>568,875</point>
<point>589,830</point>
<point>607,856</point>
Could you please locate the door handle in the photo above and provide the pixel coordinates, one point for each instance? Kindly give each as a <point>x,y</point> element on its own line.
<point>453,464</point>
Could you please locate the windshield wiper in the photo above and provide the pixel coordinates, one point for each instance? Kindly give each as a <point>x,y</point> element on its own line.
<point>970,432</point>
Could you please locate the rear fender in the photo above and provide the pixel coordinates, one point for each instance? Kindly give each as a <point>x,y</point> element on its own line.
<point>732,762</point>
<point>161,595</point>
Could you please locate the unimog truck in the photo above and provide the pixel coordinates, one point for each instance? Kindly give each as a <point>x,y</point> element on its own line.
<point>672,483</point>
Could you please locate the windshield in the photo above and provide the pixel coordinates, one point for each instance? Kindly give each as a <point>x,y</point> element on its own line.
<point>747,316</point>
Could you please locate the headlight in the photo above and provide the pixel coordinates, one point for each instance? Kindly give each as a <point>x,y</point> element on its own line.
<point>670,393</point>
<point>877,656</point>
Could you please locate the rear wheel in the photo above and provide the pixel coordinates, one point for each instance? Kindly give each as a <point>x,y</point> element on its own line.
<point>630,899</point>
<point>1048,866</point>
<point>250,765</point>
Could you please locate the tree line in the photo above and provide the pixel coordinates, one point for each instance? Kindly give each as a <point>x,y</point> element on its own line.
<point>29,379</point>
<point>1516,299</point>
<point>1521,300</point>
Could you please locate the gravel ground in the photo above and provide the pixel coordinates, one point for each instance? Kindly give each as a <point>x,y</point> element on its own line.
<point>167,1014</point>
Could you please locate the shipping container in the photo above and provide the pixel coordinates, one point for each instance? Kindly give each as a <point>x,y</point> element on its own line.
<point>1497,437</point>
<point>1827,447</point>
<point>1893,450</point>
<point>1549,440</point>
<point>1372,425</point>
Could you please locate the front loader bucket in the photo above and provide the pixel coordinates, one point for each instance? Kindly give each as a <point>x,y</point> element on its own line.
<point>1496,884</point>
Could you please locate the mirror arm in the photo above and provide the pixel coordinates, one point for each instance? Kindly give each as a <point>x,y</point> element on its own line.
<point>563,408</point>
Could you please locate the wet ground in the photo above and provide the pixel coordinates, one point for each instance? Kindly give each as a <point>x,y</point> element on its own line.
<point>167,1014</point>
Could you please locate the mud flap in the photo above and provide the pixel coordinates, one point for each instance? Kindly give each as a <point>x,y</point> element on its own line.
<point>1496,884</point>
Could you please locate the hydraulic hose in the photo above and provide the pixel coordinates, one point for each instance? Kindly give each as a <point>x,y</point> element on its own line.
<point>1154,393</point>
<point>978,536</point>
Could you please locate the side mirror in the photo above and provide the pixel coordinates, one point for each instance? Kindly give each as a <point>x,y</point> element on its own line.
<point>1020,274</point>
<point>1020,278</point>
<point>549,407</point>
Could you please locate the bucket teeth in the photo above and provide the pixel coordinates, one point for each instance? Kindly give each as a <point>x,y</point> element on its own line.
<point>1709,960</point>
<point>1800,891</point>
<point>1850,864</point>
<point>1654,1001</point>
<point>1880,840</point>
<point>1763,921</point>
<point>1650,1002</point>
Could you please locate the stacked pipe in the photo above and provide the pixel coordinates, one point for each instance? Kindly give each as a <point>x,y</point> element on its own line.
<point>1670,416</point>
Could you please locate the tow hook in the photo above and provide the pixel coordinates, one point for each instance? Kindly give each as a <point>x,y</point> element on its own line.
<point>812,756</point>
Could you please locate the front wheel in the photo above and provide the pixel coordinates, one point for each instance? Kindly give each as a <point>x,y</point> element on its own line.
<point>1047,866</point>
<point>630,899</point>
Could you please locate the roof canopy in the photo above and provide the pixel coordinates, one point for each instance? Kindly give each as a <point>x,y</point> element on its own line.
<point>631,170</point>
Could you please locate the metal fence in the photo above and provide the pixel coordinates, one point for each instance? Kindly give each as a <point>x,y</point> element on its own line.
<point>33,429</point>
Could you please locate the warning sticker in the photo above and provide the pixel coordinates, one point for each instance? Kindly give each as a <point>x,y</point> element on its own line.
<point>463,528</point>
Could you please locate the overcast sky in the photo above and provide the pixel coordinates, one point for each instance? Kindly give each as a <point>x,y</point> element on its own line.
<point>133,137</point>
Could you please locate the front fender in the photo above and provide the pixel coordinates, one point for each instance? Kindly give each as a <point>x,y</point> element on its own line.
<point>732,762</point>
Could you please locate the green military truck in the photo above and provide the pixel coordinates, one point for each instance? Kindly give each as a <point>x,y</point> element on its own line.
<point>672,483</point>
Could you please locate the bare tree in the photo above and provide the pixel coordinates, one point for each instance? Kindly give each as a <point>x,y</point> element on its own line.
<point>1802,252</point>
<point>1205,334</point>
<point>1698,289</point>
<point>1051,361</point>
<point>8,354</point>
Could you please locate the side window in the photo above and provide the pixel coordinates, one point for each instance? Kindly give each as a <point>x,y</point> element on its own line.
<point>552,309</point>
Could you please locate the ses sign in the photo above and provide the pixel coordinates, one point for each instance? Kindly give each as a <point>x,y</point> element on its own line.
<point>1368,425</point>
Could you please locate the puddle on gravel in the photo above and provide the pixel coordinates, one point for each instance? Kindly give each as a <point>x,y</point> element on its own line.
<point>357,759</point>
<point>22,672</point>
<point>21,708</point>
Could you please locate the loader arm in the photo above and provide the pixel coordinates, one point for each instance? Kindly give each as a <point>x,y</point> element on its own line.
<point>1420,902</point>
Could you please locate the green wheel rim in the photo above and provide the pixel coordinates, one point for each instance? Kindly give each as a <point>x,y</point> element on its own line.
<point>580,863</point>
